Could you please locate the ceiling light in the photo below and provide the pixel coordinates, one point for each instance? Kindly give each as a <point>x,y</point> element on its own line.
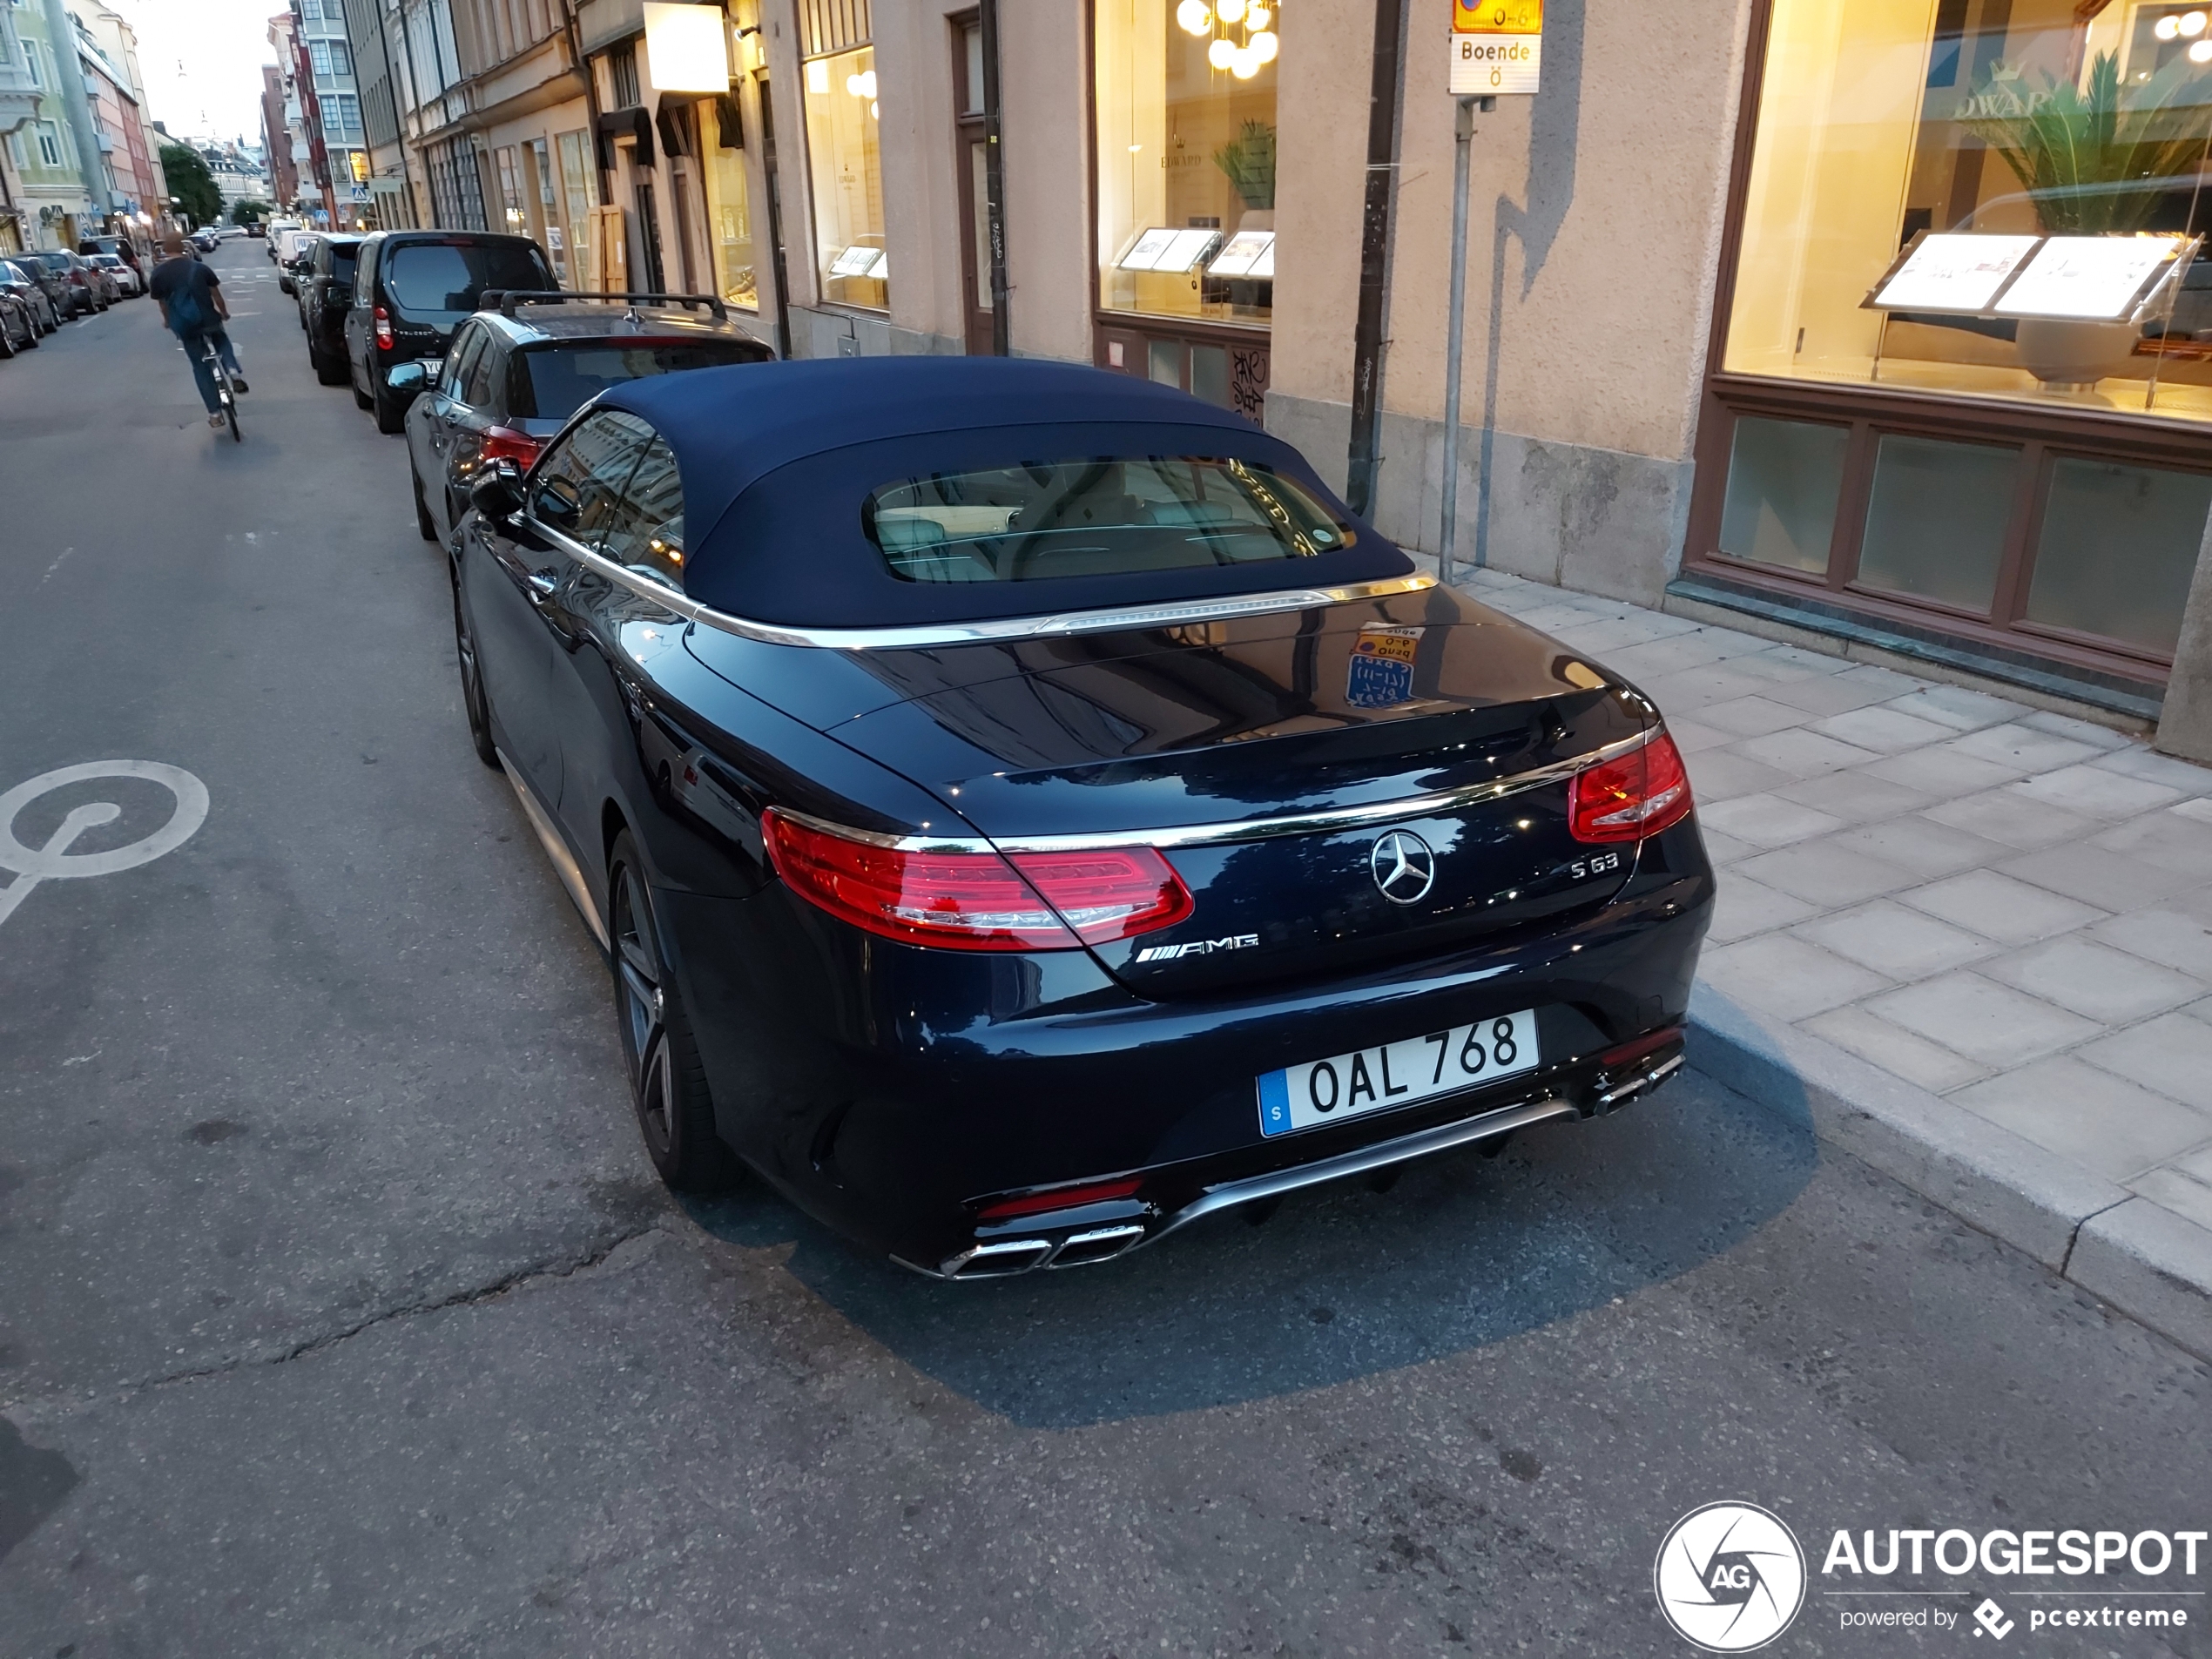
<point>2201,52</point>
<point>2167,27</point>
<point>1231,10</point>
<point>1194,17</point>
<point>1255,15</point>
<point>1222,53</point>
<point>1265,46</point>
<point>818,78</point>
<point>2192,23</point>
<point>1244,63</point>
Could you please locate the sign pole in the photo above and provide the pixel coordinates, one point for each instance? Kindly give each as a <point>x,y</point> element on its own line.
<point>1455,345</point>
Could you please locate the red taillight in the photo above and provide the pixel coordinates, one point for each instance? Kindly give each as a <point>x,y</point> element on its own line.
<point>1036,1203</point>
<point>1626,800</point>
<point>977,901</point>
<point>383,329</point>
<point>504,443</point>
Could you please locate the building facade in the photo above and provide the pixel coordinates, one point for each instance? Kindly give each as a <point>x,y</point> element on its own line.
<point>19,105</point>
<point>1724,347</point>
<point>276,136</point>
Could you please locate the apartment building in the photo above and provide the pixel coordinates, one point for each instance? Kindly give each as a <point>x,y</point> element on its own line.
<point>276,136</point>
<point>19,103</point>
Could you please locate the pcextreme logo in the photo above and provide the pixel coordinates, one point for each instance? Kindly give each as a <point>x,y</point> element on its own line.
<point>1730,1577</point>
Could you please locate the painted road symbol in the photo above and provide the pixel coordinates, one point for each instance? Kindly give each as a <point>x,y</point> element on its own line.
<point>54,861</point>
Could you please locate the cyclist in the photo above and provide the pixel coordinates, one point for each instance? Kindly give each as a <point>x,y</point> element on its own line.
<point>191,297</point>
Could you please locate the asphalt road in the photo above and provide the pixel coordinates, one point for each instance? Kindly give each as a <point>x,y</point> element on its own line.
<point>340,1311</point>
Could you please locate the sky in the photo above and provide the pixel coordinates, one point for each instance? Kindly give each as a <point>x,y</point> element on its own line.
<point>202,63</point>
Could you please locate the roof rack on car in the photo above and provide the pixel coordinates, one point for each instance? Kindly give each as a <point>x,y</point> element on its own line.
<point>506,299</point>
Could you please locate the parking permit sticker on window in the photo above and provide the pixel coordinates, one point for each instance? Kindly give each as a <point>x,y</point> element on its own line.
<point>1380,672</point>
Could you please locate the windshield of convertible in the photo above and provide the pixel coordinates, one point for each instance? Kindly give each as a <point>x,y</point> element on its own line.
<point>1104,516</point>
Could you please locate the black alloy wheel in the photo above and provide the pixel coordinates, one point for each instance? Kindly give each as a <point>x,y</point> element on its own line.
<point>330,369</point>
<point>391,412</point>
<point>361,400</point>
<point>473,702</point>
<point>667,1084</point>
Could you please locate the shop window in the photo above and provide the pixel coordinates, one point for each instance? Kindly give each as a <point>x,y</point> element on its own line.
<point>1784,478</point>
<point>729,205</point>
<point>2118,549</point>
<point>1184,95</point>
<point>842,144</point>
<point>1935,523</point>
<point>1966,135</point>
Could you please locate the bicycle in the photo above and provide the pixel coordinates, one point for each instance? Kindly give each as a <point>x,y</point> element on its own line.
<point>224,392</point>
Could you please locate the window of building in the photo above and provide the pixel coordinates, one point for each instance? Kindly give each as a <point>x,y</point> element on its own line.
<point>1184,95</point>
<point>728,203</point>
<point>30,65</point>
<point>843,146</point>
<point>49,144</point>
<point>515,220</point>
<point>622,74</point>
<point>573,152</point>
<point>1988,124</point>
<point>319,55</point>
<point>1968,349</point>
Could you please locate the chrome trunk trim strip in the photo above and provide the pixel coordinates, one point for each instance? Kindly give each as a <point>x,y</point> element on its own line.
<point>1328,822</point>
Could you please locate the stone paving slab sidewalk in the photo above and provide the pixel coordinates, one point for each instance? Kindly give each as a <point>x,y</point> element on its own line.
<point>1973,940</point>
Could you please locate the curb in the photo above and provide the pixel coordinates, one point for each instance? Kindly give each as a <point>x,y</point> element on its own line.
<point>2150,1263</point>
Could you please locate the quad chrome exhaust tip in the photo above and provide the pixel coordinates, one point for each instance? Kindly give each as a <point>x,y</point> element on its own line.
<point>1004,1258</point>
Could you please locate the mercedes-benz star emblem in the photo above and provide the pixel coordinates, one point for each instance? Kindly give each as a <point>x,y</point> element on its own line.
<point>1404,866</point>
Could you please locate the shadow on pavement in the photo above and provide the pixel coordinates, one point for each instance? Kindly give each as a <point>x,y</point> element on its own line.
<point>1344,1282</point>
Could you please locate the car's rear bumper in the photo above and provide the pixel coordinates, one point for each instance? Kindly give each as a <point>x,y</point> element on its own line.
<point>894,1092</point>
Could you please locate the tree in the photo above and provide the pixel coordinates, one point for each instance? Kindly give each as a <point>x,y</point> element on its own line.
<point>192,184</point>
<point>249,211</point>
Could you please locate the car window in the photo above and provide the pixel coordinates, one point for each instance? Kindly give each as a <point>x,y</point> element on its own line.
<point>364,280</point>
<point>476,382</point>
<point>1103,516</point>
<point>460,359</point>
<point>447,278</point>
<point>575,488</point>
<point>552,383</point>
<point>341,265</point>
<point>646,529</point>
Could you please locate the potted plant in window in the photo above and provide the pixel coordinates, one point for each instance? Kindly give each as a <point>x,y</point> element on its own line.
<point>1248,162</point>
<point>2094,162</point>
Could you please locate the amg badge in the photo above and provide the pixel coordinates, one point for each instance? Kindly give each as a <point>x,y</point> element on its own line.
<point>1197,947</point>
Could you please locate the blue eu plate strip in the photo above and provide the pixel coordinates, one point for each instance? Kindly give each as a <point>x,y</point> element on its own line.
<point>1275,1103</point>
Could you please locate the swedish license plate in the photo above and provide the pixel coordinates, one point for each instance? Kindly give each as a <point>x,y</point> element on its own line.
<point>1397,1074</point>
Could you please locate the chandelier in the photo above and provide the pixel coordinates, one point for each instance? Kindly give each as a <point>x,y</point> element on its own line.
<point>1245,40</point>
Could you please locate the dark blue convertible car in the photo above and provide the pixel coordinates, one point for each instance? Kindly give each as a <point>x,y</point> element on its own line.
<point>1025,812</point>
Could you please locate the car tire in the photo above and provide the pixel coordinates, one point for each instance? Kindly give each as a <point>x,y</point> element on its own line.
<point>361,400</point>
<point>329,371</point>
<point>421,509</point>
<point>391,412</point>
<point>473,702</point>
<point>8,347</point>
<point>667,1083</point>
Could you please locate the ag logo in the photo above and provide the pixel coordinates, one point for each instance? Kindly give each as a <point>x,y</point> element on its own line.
<point>1730,1577</point>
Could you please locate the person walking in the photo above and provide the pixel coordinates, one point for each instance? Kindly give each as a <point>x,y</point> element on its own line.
<point>191,297</point>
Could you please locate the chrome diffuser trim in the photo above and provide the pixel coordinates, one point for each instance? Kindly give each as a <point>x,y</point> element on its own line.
<point>1244,829</point>
<point>995,629</point>
<point>1380,1155</point>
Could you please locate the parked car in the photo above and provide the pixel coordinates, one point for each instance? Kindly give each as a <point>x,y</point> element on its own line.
<point>412,289</point>
<point>325,281</point>
<point>256,229</point>
<point>18,325</point>
<point>512,378</point>
<point>44,293</point>
<point>124,278</point>
<point>88,291</point>
<point>205,240</point>
<point>121,246</point>
<point>290,244</point>
<point>1178,845</point>
<point>274,233</point>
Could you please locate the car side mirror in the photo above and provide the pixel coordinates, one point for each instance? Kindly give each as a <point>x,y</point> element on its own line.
<point>409,377</point>
<point>498,494</point>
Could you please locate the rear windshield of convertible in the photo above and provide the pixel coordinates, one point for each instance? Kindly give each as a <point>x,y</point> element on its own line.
<point>1101,516</point>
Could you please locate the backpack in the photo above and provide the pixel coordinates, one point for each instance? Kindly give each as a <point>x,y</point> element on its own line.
<point>188,313</point>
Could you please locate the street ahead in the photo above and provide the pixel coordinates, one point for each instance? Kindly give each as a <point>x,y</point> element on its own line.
<point>339,1310</point>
